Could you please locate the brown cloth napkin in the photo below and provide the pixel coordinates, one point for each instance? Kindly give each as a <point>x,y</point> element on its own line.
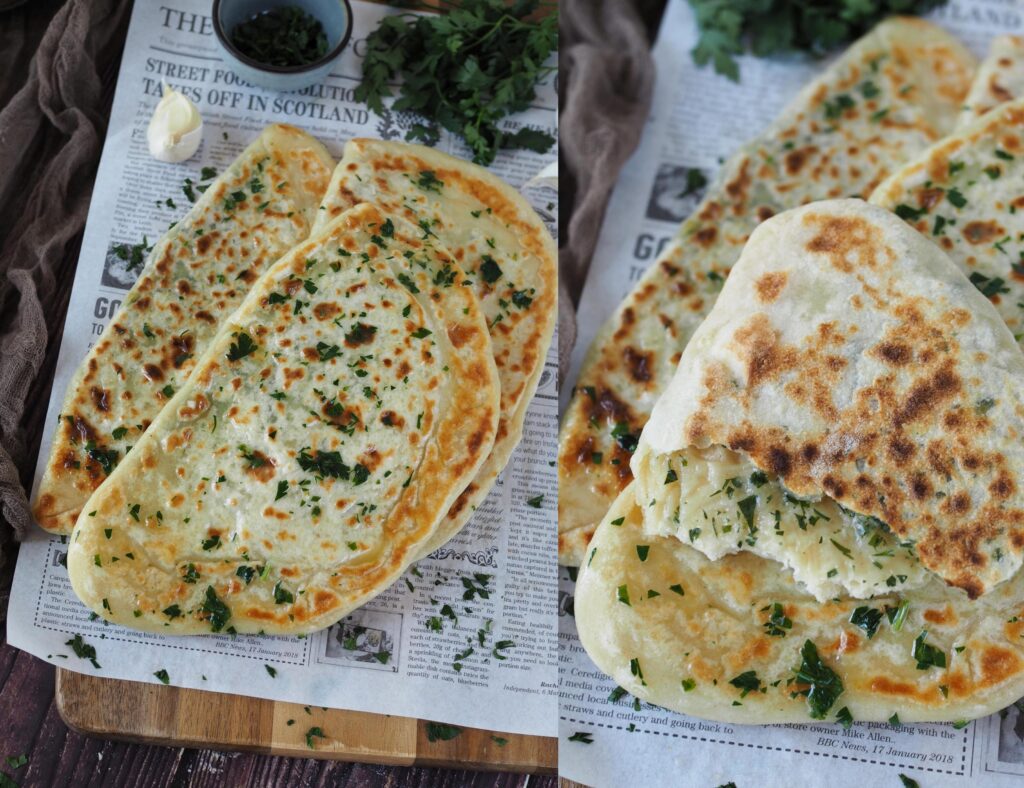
<point>51,134</point>
<point>606,76</point>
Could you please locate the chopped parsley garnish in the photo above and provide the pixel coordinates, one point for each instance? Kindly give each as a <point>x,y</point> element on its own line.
<point>695,181</point>
<point>622,594</point>
<point>535,501</point>
<point>988,287</point>
<point>836,107</point>
<point>83,650</point>
<point>867,618</point>
<point>626,440</point>
<point>107,459</point>
<point>844,717</point>
<point>282,489</point>
<point>314,732</point>
<point>956,198</point>
<point>410,285</point>
<point>282,596</point>
<point>172,612</point>
<point>778,622</point>
<point>422,332</point>
<point>215,611</point>
<point>521,299</point>
<point>897,615</point>
<point>747,507</point>
<point>437,731</point>
<point>582,737</point>
<point>247,573</point>
<point>119,432</point>
<point>746,682</point>
<point>825,686</point>
<point>909,214</point>
<point>133,511</point>
<point>163,676</point>
<point>490,270</point>
<point>671,476</point>
<point>271,671</point>
<point>233,200</point>
<point>212,543</point>
<point>242,347</point>
<point>927,655</point>
<point>428,181</point>
<point>841,548</point>
<point>135,254</point>
<point>642,550</point>
<point>327,352</point>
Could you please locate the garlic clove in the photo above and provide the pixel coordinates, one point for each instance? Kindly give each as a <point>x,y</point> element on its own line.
<point>176,128</point>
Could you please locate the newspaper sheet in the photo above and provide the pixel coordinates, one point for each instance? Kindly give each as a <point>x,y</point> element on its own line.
<point>698,119</point>
<point>397,654</point>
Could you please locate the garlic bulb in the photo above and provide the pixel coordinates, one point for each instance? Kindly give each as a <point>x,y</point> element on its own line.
<point>176,128</point>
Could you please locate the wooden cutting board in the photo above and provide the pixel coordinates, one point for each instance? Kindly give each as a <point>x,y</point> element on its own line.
<point>171,716</point>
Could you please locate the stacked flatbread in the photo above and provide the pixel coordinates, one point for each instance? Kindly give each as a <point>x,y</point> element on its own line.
<point>322,436</point>
<point>1000,78</point>
<point>195,276</point>
<point>827,517</point>
<point>893,93</point>
<point>508,256</point>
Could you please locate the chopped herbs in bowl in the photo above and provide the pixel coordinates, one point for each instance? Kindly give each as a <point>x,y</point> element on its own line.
<point>283,37</point>
<point>281,45</point>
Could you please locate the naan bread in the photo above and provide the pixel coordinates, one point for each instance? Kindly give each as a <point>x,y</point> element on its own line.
<point>966,193</point>
<point>1000,78</point>
<point>889,96</point>
<point>195,276</point>
<point>507,254</point>
<point>322,436</point>
<point>851,398</point>
<point>849,359</point>
<point>692,627</point>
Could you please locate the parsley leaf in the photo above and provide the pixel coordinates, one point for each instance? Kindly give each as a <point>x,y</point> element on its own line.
<point>242,347</point>
<point>766,27</point>
<point>463,71</point>
<point>824,685</point>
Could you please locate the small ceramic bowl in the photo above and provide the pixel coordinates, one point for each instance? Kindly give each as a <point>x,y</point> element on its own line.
<point>334,15</point>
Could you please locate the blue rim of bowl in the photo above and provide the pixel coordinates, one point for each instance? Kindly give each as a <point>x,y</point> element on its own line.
<point>218,30</point>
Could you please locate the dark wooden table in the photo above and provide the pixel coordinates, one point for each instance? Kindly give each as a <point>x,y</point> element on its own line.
<point>29,722</point>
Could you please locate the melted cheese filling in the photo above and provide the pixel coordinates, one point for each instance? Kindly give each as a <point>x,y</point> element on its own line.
<point>717,501</point>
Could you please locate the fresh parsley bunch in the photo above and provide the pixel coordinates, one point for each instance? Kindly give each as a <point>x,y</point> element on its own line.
<point>463,70</point>
<point>728,27</point>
